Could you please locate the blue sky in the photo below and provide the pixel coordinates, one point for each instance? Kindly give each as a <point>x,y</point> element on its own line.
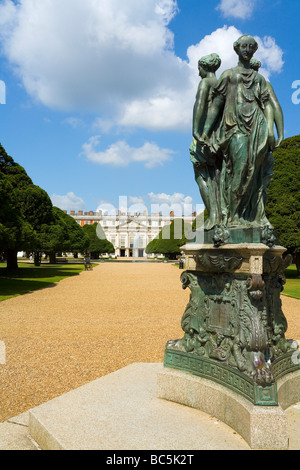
<point>99,93</point>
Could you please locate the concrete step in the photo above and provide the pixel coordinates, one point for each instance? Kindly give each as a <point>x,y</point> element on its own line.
<point>121,411</point>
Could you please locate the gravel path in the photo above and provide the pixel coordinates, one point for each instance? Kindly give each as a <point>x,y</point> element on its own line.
<point>64,336</point>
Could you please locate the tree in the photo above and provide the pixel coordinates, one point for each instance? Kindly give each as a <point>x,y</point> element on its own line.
<point>283,203</point>
<point>62,234</point>
<point>24,207</point>
<point>98,244</point>
<point>36,208</point>
<point>28,220</point>
<point>14,230</point>
<point>170,239</point>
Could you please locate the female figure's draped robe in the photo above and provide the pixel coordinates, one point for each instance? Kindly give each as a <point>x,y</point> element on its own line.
<point>242,139</point>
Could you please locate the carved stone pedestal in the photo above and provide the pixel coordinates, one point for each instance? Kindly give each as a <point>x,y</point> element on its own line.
<point>234,327</point>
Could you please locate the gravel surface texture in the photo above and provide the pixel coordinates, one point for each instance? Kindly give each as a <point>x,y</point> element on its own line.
<point>84,327</point>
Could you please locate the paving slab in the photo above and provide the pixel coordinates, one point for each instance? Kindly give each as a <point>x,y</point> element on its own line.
<point>14,434</point>
<point>121,411</point>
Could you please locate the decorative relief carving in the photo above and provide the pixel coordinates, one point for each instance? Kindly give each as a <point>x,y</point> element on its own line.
<point>235,318</point>
<point>219,262</point>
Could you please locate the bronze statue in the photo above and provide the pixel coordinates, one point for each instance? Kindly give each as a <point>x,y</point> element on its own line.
<point>234,326</point>
<point>239,131</point>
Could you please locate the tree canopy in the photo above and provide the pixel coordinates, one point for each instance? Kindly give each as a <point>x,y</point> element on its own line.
<point>98,244</point>
<point>62,234</point>
<point>28,220</point>
<point>283,204</point>
<point>170,239</point>
<point>24,209</point>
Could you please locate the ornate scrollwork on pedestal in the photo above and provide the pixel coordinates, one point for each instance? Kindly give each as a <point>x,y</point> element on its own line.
<point>219,262</point>
<point>255,286</point>
<point>276,264</point>
<point>229,318</point>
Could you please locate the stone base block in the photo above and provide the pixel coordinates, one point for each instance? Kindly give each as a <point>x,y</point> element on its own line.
<point>262,427</point>
<point>122,411</point>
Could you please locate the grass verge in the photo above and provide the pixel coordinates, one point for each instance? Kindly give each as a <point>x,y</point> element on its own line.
<point>292,286</point>
<point>29,277</point>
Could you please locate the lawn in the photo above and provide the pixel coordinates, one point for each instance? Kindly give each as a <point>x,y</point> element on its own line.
<point>292,286</point>
<point>29,277</point>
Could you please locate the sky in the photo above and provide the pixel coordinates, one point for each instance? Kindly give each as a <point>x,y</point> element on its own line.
<point>97,95</point>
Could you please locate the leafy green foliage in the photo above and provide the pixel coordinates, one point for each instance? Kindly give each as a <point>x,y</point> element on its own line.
<point>62,234</point>
<point>170,240</point>
<point>283,204</point>
<point>98,244</point>
<point>16,232</point>
<point>28,221</point>
<point>35,205</point>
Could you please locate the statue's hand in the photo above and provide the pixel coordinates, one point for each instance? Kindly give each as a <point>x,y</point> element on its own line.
<point>278,142</point>
<point>271,142</point>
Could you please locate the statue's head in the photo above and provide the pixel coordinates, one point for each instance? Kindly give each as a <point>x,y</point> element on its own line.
<point>255,64</point>
<point>245,47</point>
<point>209,63</point>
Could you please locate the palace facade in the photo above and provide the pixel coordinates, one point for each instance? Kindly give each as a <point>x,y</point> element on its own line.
<point>129,233</point>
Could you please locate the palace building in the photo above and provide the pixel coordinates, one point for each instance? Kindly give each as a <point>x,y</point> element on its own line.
<point>129,233</point>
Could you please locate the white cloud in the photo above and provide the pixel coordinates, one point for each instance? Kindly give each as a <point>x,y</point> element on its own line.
<point>94,53</point>
<point>120,154</point>
<point>176,202</point>
<point>172,108</point>
<point>136,200</point>
<point>270,55</point>
<point>167,9</point>
<point>68,201</point>
<point>241,9</point>
<point>175,198</point>
<point>167,110</point>
<point>103,125</point>
<point>106,208</point>
<point>113,57</point>
<point>221,42</point>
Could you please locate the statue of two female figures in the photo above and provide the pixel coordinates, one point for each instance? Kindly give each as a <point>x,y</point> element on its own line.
<point>233,129</point>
